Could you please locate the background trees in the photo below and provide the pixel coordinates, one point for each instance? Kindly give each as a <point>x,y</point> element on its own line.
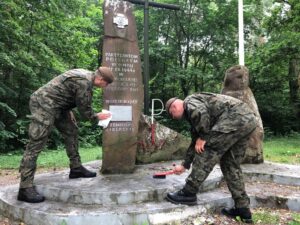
<point>190,51</point>
<point>40,39</point>
<point>275,68</point>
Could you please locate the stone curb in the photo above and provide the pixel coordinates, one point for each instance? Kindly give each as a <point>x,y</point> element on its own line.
<point>154,193</point>
<point>145,213</point>
<point>142,199</point>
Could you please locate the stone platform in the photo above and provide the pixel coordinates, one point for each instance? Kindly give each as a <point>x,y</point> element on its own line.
<point>134,199</point>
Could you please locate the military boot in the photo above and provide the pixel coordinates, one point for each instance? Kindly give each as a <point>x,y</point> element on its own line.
<point>182,197</point>
<point>30,195</point>
<point>243,213</point>
<point>81,172</point>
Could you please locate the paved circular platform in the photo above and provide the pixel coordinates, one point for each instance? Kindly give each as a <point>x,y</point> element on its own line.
<point>137,198</point>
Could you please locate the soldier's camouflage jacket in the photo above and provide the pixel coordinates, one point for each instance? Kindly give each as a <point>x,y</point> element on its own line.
<point>65,92</point>
<point>208,112</point>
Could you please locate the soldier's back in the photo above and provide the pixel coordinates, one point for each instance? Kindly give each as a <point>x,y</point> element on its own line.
<point>60,92</point>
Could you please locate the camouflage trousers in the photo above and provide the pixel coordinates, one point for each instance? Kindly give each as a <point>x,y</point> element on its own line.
<point>42,122</point>
<point>228,149</point>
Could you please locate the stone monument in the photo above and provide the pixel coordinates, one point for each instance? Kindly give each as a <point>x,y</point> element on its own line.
<point>124,97</point>
<point>166,144</point>
<point>236,84</point>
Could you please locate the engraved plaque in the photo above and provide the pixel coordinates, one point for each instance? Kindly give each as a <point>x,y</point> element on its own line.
<point>121,112</point>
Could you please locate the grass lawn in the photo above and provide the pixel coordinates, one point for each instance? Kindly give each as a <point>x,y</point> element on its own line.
<point>276,149</point>
<point>274,217</point>
<point>282,149</point>
<point>50,158</point>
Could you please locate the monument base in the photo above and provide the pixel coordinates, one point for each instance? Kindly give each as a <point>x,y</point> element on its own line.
<point>139,199</point>
<point>120,157</point>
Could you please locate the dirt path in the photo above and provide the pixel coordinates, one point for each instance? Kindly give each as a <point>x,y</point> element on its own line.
<point>8,177</point>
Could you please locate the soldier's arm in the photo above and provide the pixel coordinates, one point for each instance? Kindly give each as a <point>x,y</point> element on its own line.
<point>199,119</point>
<point>83,98</point>
<point>189,156</point>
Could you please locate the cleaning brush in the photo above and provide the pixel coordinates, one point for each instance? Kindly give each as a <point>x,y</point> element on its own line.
<point>162,175</point>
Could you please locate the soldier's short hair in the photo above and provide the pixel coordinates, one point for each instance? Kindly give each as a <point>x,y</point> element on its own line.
<point>169,103</point>
<point>105,73</point>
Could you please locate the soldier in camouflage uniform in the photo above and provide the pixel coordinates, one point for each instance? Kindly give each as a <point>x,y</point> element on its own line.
<point>51,106</point>
<point>220,127</point>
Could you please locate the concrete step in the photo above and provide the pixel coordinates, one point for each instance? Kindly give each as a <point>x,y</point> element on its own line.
<point>273,172</point>
<point>140,186</point>
<point>57,213</point>
<point>139,199</point>
<point>119,189</point>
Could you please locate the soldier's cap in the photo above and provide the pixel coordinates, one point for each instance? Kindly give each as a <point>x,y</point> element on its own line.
<point>169,103</point>
<point>106,73</point>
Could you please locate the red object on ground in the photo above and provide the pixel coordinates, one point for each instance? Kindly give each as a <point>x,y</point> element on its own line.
<point>162,175</point>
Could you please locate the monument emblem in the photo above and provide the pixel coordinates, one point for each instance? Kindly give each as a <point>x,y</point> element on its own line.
<point>121,20</point>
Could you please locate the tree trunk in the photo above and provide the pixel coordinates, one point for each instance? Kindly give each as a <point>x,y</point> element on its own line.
<point>294,78</point>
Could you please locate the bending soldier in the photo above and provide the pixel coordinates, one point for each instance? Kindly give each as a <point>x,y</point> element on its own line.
<point>220,128</point>
<point>51,106</point>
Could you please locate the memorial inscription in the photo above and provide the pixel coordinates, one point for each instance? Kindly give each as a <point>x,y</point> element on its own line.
<point>124,97</point>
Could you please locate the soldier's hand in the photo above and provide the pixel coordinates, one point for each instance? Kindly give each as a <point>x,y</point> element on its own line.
<point>179,169</point>
<point>199,147</point>
<point>103,116</point>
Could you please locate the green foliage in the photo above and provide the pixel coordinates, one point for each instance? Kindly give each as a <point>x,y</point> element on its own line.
<point>275,69</point>
<point>7,114</point>
<point>90,134</point>
<point>5,134</point>
<point>39,40</point>
<point>7,110</point>
<point>190,50</point>
<point>191,46</point>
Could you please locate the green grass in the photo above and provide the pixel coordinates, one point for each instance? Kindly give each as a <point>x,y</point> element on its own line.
<point>268,216</point>
<point>50,158</point>
<point>276,149</point>
<point>265,217</point>
<point>295,219</point>
<point>282,149</point>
